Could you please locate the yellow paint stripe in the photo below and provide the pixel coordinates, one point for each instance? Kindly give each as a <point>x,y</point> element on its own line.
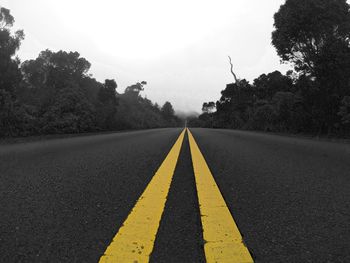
<point>135,239</point>
<point>223,241</point>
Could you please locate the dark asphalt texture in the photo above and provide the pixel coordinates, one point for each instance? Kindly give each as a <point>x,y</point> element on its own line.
<point>180,238</point>
<point>63,200</point>
<point>290,197</point>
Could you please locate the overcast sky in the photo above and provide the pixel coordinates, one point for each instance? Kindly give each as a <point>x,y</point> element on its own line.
<point>179,47</point>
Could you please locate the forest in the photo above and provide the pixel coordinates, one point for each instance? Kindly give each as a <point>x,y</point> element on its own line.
<point>55,94</point>
<point>313,36</point>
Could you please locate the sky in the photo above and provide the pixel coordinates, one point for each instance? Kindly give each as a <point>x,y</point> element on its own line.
<point>179,47</point>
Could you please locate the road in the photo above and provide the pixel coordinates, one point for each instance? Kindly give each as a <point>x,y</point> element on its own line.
<point>69,200</point>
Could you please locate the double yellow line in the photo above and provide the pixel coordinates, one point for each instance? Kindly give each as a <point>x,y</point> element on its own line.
<point>135,239</point>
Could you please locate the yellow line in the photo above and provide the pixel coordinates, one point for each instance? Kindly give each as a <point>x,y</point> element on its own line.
<point>223,241</point>
<point>135,239</point>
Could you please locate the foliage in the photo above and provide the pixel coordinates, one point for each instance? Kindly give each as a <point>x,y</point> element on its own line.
<point>314,36</point>
<point>344,111</point>
<point>10,75</point>
<point>142,113</point>
<point>303,28</point>
<point>134,90</point>
<point>167,111</point>
<point>208,107</point>
<point>54,93</point>
<point>107,105</point>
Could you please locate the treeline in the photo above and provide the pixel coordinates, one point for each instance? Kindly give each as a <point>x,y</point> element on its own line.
<point>55,94</point>
<point>314,36</point>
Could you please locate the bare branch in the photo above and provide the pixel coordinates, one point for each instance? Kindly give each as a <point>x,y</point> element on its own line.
<point>234,75</point>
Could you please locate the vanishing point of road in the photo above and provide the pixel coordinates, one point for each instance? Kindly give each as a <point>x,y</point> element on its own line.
<point>175,195</point>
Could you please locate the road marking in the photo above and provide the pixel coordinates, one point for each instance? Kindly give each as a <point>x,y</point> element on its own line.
<point>135,239</point>
<point>223,241</point>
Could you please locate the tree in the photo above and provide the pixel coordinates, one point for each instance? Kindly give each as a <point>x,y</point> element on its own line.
<point>167,111</point>
<point>315,36</point>
<point>134,90</point>
<point>304,27</point>
<point>70,112</point>
<point>344,111</point>
<point>263,117</point>
<point>107,92</point>
<point>136,112</point>
<point>56,79</point>
<point>10,75</point>
<point>55,70</point>
<point>267,85</point>
<point>55,94</point>
<point>107,106</point>
<point>232,108</point>
<point>208,107</point>
<point>288,111</point>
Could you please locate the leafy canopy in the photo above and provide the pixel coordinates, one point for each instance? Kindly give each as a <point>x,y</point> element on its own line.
<point>304,27</point>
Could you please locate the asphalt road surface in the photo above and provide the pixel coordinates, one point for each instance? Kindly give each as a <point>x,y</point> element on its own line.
<point>64,200</point>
